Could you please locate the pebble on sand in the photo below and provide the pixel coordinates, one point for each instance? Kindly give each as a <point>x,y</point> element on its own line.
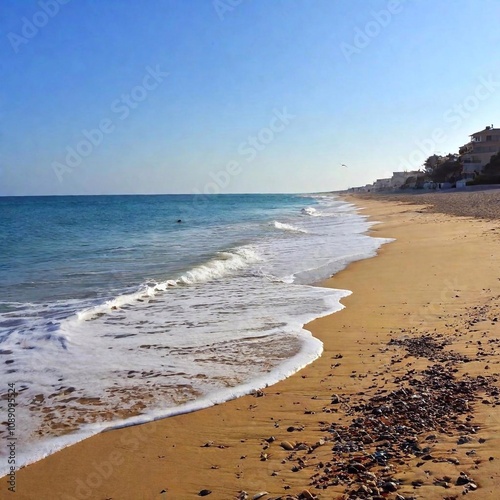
<point>260,495</point>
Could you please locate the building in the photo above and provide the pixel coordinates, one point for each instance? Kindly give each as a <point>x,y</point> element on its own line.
<point>399,179</point>
<point>361,189</point>
<point>382,184</point>
<point>478,152</point>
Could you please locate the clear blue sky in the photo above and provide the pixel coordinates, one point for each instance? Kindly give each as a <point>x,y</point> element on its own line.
<point>358,82</point>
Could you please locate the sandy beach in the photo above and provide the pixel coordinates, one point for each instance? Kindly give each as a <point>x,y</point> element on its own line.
<point>403,402</point>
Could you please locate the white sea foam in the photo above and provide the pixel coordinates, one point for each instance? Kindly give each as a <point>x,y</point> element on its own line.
<point>310,211</point>
<point>311,349</point>
<point>288,227</point>
<point>222,265</point>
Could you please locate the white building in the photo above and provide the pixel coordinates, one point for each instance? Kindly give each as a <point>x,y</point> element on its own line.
<point>478,152</point>
<point>398,179</point>
<point>382,184</point>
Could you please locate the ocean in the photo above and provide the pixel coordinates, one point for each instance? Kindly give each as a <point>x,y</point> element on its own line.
<point>117,310</point>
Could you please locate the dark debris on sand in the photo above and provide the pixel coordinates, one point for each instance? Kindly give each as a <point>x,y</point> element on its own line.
<point>428,347</point>
<point>393,428</point>
<point>386,430</point>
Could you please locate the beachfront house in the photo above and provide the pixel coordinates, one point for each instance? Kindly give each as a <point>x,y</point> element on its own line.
<point>400,179</point>
<point>382,184</point>
<point>361,189</point>
<point>478,152</point>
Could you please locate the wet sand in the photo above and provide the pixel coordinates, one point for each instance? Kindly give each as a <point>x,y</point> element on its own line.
<point>404,400</point>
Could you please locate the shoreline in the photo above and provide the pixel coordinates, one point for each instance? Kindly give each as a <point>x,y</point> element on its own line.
<point>296,349</point>
<point>150,381</point>
<point>161,455</point>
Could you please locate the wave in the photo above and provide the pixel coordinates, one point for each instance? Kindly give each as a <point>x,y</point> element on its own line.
<point>287,227</point>
<point>223,264</point>
<point>310,211</point>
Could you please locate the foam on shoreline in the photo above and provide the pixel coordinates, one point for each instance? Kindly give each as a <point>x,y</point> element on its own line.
<point>311,349</point>
<point>228,326</point>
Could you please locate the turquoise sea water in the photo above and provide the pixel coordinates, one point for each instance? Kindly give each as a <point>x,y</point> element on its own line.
<point>107,299</point>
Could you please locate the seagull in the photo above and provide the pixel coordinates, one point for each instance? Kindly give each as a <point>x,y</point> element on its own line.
<point>343,165</point>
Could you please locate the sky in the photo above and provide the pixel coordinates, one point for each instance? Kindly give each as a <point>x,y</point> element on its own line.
<point>209,96</point>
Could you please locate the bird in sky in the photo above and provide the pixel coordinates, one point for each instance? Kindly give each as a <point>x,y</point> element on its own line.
<point>343,165</point>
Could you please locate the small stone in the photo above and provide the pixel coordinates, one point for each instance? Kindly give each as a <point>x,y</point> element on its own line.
<point>462,479</point>
<point>444,484</point>
<point>306,495</point>
<point>355,467</point>
<point>335,399</point>
<point>321,442</point>
<point>290,429</point>
<point>390,486</point>
<point>204,493</point>
<point>260,495</point>
<point>286,445</point>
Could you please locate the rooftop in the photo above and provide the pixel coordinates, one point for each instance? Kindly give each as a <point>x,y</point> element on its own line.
<point>488,128</point>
